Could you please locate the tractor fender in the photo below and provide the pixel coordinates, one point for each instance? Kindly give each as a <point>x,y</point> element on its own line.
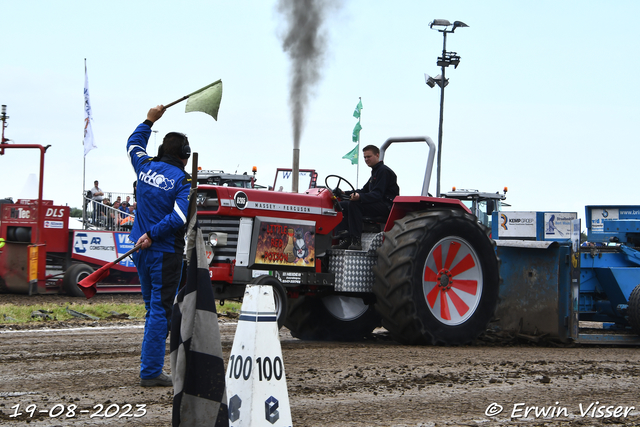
<point>403,205</point>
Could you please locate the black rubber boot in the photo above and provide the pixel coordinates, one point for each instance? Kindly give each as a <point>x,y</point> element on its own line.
<point>342,244</point>
<point>341,234</point>
<point>355,245</point>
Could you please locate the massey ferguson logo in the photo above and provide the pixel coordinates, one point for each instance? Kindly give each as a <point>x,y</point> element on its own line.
<point>157,180</point>
<point>241,200</point>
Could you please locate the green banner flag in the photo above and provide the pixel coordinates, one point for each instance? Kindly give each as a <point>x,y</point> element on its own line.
<point>356,132</point>
<point>352,155</point>
<point>206,100</point>
<point>356,112</point>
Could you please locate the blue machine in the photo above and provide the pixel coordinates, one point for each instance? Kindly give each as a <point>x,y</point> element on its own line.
<point>554,286</point>
<point>610,264</point>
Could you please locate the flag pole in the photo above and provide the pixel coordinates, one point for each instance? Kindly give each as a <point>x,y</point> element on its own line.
<point>84,169</point>
<point>84,203</point>
<point>358,153</point>
<point>192,93</point>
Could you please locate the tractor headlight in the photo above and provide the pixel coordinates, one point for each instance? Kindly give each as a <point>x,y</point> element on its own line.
<point>218,239</point>
<point>208,199</point>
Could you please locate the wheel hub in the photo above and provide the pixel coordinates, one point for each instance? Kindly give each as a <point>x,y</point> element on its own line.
<point>345,308</point>
<point>445,279</point>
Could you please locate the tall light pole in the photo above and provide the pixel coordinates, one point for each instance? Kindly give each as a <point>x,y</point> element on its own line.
<point>3,117</point>
<point>447,58</point>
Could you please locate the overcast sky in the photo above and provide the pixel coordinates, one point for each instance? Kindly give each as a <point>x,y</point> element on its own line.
<point>544,100</point>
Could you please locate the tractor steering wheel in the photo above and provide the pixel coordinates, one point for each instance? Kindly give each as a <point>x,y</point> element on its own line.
<point>336,190</point>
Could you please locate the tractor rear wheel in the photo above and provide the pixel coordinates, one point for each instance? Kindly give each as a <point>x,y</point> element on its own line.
<point>73,276</point>
<point>331,318</point>
<point>437,278</point>
<point>634,309</point>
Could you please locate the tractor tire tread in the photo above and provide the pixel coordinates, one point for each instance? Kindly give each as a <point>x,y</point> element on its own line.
<point>634,309</point>
<point>394,289</point>
<point>71,276</point>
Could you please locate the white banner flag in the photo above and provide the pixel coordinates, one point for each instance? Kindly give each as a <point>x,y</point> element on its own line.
<point>89,143</point>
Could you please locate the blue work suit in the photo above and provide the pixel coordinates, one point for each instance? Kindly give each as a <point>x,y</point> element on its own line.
<point>163,203</point>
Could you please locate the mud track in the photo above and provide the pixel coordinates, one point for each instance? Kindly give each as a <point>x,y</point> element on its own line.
<point>371,383</point>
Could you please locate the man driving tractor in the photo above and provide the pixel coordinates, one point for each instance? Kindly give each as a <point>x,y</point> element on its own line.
<point>374,200</point>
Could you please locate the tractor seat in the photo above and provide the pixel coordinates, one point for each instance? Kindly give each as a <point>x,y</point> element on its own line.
<point>373,224</point>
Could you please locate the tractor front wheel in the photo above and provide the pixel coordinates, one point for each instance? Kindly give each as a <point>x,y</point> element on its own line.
<point>73,276</point>
<point>331,318</point>
<point>279,295</point>
<point>437,278</point>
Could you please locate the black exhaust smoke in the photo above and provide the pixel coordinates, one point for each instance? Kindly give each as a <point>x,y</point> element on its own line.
<point>304,41</point>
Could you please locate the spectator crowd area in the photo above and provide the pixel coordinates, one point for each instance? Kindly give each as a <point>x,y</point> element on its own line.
<point>115,212</point>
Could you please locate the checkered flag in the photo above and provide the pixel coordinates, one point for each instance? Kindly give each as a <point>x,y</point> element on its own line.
<point>197,366</point>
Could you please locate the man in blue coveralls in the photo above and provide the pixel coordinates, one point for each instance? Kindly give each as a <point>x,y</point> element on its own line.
<point>159,227</point>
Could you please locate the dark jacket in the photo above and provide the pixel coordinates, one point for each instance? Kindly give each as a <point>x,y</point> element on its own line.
<point>381,187</point>
<point>162,195</point>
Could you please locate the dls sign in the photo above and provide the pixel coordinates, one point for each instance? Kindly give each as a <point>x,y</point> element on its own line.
<point>54,213</point>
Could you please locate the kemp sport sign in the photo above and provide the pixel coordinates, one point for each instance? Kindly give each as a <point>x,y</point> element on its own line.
<point>101,247</point>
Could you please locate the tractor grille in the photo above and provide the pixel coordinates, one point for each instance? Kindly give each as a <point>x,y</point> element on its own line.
<point>223,224</point>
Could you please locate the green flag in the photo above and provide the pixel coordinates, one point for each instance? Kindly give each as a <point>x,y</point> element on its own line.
<point>206,100</point>
<point>356,132</point>
<point>352,155</point>
<point>356,112</point>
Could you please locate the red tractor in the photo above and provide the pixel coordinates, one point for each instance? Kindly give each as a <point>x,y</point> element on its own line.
<point>428,273</point>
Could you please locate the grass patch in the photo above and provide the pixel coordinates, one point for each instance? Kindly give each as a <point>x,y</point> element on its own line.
<point>10,313</point>
<point>228,307</point>
<point>44,312</point>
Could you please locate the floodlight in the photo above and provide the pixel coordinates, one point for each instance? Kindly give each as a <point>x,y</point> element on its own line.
<point>437,80</point>
<point>439,23</point>
<point>457,24</point>
<point>429,80</point>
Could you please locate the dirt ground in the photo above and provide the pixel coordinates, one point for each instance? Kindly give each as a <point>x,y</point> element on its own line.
<point>372,383</point>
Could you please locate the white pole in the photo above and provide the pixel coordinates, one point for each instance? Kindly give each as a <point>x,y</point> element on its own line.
<point>84,204</point>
